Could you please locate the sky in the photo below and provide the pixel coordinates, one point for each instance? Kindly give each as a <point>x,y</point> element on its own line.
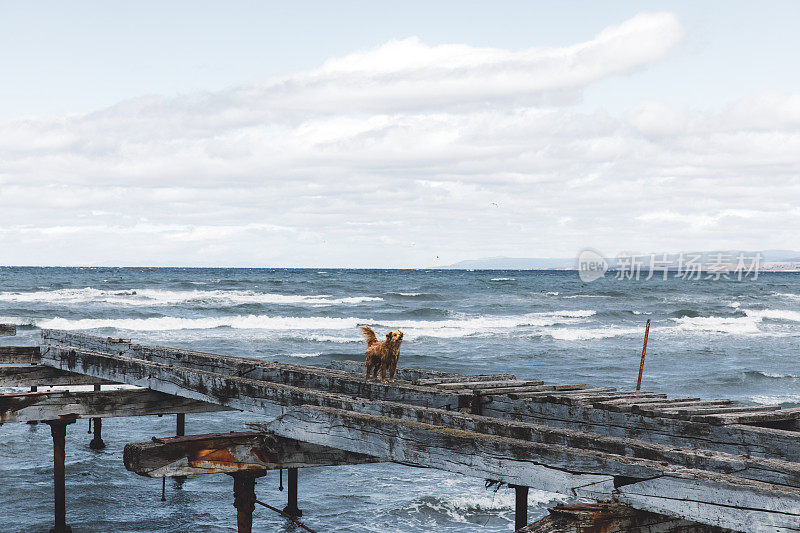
<point>400,135</point>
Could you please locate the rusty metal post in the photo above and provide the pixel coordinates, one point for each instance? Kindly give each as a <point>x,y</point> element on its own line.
<point>58,429</point>
<point>180,426</point>
<point>644,349</point>
<point>291,508</point>
<point>520,507</point>
<point>244,499</point>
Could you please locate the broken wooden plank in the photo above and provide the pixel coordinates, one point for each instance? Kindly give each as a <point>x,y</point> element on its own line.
<point>54,405</point>
<point>228,453</point>
<point>40,375</point>
<point>8,330</point>
<point>16,355</point>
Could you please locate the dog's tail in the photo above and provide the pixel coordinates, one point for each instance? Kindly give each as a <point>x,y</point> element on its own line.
<point>369,334</point>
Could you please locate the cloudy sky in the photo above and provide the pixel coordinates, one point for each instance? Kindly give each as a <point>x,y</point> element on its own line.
<point>371,134</point>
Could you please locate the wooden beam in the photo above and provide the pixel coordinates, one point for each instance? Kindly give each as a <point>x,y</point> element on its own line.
<point>240,393</point>
<point>710,498</point>
<point>17,355</point>
<point>301,376</point>
<point>228,453</point>
<point>420,376</point>
<point>32,406</point>
<point>38,375</point>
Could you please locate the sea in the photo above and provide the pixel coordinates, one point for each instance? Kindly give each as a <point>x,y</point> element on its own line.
<point>708,338</point>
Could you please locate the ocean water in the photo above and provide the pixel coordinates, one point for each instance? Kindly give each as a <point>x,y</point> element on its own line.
<point>711,339</point>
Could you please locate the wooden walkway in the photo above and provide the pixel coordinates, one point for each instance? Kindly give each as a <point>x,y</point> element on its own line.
<point>718,463</point>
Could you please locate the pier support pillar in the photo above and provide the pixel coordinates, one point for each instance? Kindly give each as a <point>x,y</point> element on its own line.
<point>180,425</point>
<point>58,428</point>
<point>97,442</point>
<point>520,507</point>
<point>291,506</point>
<point>244,499</point>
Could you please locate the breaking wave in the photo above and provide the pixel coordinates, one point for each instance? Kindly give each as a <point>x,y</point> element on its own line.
<point>160,297</point>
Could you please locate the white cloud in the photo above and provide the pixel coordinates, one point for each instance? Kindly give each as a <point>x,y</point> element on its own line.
<point>396,155</point>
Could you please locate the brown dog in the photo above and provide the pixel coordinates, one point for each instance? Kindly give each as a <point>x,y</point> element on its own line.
<point>397,340</point>
<point>381,355</point>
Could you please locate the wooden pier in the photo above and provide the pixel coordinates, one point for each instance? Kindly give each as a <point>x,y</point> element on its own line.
<point>651,462</point>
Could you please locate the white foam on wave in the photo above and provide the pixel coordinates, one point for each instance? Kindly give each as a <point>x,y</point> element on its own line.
<point>774,314</point>
<point>788,296</point>
<point>775,399</point>
<point>585,334</point>
<point>503,279</point>
<point>746,325</point>
<point>309,327</point>
<point>161,297</point>
<point>167,323</point>
<point>304,355</point>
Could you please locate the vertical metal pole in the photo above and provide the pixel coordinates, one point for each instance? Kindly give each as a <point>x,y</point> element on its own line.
<point>180,426</point>
<point>291,507</point>
<point>244,499</point>
<point>644,349</point>
<point>521,507</point>
<point>58,429</point>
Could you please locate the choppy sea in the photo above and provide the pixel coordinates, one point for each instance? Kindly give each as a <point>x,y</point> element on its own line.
<point>712,339</point>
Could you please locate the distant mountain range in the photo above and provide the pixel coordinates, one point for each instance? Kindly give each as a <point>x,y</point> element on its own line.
<point>770,259</point>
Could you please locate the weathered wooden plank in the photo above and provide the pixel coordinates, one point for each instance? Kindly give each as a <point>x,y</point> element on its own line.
<point>31,406</point>
<point>791,416</point>
<point>631,404</point>
<point>592,398</point>
<point>746,506</point>
<point>8,330</point>
<point>736,439</point>
<point>551,467</point>
<point>523,389</point>
<point>544,395</point>
<point>754,409</point>
<point>228,453</point>
<point>38,375</point>
<point>474,384</point>
<point>15,355</point>
<point>566,388</point>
